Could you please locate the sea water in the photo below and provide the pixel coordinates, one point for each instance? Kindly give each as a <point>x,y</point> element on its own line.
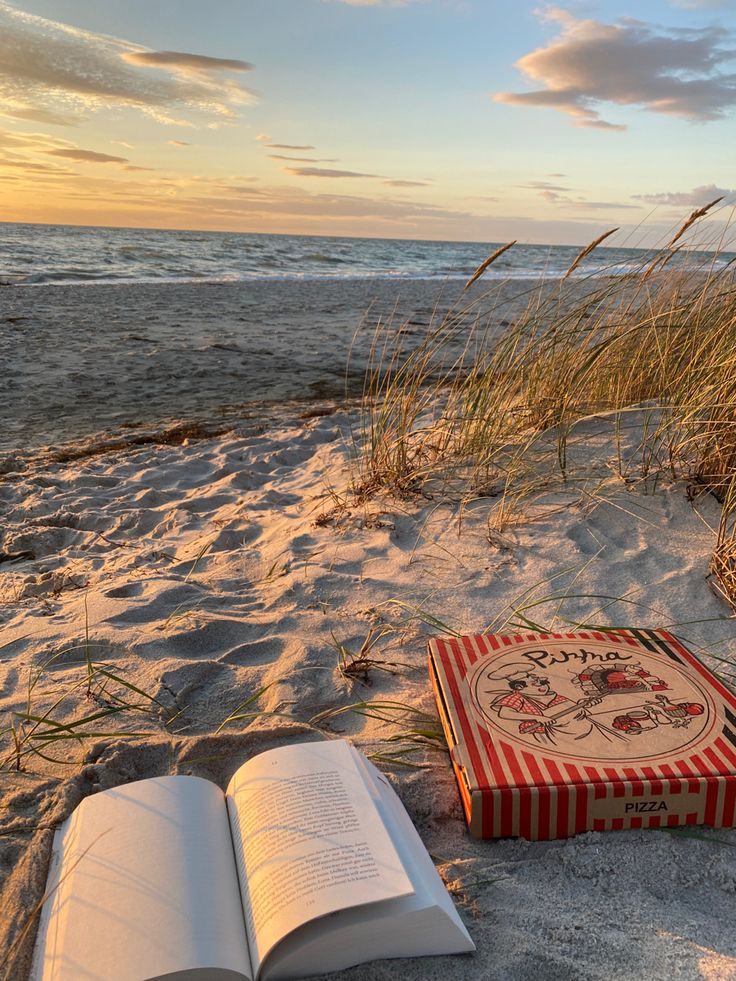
<point>48,254</point>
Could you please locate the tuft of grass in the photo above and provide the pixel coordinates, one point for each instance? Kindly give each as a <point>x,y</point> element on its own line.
<point>357,665</point>
<point>416,730</point>
<point>723,560</point>
<point>474,409</point>
<point>58,718</point>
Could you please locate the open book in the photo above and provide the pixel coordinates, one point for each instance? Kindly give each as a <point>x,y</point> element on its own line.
<point>307,864</point>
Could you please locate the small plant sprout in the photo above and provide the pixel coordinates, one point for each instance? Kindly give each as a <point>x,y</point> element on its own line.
<point>356,665</point>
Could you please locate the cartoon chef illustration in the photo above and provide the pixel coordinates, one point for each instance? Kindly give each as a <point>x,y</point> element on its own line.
<point>528,698</point>
<point>619,700</point>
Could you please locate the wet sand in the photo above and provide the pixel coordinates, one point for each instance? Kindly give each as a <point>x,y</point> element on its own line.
<point>82,359</point>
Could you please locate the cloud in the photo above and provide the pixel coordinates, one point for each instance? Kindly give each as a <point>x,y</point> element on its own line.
<point>281,156</point>
<point>329,172</point>
<point>696,198</point>
<point>286,146</point>
<point>52,72</point>
<point>31,141</point>
<point>544,186</point>
<point>582,205</point>
<point>399,183</point>
<point>559,194</point>
<point>177,143</point>
<point>29,166</point>
<point>18,150</point>
<point>679,72</point>
<point>193,64</point>
<point>47,116</point>
<point>554,193</point>
<point>90,156</point>
<point>21,150</point>
<point>324,172</point>
<point>297,203</point>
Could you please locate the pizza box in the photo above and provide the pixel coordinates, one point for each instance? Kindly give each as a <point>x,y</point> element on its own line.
<point>551,735</point>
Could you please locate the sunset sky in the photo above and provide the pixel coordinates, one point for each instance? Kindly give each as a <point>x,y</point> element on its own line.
<point>439,119</point>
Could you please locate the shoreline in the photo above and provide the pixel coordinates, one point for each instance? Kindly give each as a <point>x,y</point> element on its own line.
<point>253,418</point>
<point>79,360</point>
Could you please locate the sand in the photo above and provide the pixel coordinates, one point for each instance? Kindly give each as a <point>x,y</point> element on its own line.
<point>76,360</point>
<point>205,572</point>
<point>163,350</point>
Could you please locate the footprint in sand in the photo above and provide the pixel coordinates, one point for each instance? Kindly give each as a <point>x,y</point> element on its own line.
<point>126,591</point>
<point>255,652</point>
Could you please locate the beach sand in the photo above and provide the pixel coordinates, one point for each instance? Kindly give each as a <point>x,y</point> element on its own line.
<point>76,360</point>
<point>79,359</point>
<point>205,572</point>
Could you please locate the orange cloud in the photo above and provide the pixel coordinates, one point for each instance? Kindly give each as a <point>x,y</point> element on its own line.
<point>324,172</point>
<point>399,183</point>
<point>90,156</point>
<point>285,146</point>
<point>281,156</point>
<point>46,67</point>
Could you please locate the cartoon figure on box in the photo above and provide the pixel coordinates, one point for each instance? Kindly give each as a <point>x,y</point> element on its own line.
<point>528,699</point>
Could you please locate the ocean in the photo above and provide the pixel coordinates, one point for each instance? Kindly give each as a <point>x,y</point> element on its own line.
<point>55,254</point>
<point>108,330</point>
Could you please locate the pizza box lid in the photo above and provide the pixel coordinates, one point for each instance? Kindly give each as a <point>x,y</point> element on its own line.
<point>611,710</point>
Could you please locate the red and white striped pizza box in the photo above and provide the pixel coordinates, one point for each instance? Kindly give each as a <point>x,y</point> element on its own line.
<point>554,734</point>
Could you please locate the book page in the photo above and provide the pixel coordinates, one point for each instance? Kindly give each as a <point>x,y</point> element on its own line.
<point>309,840</point>
<point>145,888</point>
<point>428,886</point>
<point>420,924</point>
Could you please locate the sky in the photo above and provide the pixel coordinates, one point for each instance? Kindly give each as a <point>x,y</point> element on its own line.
<point>472,120</point>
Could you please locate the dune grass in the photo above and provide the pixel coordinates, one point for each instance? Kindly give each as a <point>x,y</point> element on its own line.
<point>61,716</point>
<point>473,411</point>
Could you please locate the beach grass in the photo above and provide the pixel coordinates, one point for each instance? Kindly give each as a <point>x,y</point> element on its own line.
<point>61,716</point>
<point>475,411</point>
